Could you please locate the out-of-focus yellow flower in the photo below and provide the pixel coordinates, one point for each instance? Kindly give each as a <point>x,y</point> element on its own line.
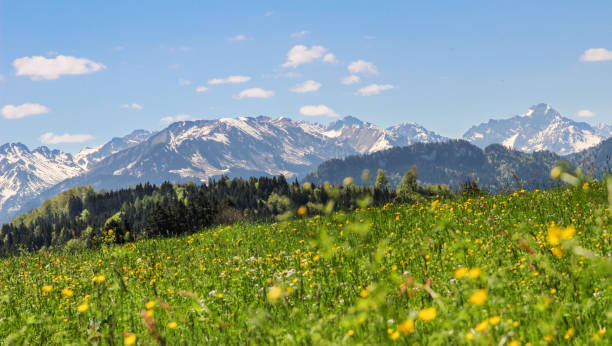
<point>406,327</point>
<point>460,273</point>
<point>129,339</point>
<point>554,235</point>
<point>482,326</point>
<point>479,297</point>
<point>98,278</point>
<point>150,304</point>
<point>395,335</point>
<point>570,332</point>
<point>513,343</point>
<point>494,320</point>
<point>364,293</point>
<point>350,332</point>
<point>150,313</point>
<point>301,211</point>
<point>172,325</point>
<point>469,336</point>
<point>348,181</point>
<point>47,288</point>
<point>427,314</point>
<point>555,173</point>
<point>220,295</point>
<point>557,251</point>
<point>568,233</point>
<point>274,294</point>
<point>474,273</point>
<point>67,292</point>
<point>83,307</point>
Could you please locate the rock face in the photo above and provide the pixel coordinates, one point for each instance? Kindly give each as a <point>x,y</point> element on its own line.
<point>198,150</point>
<point>541,128</point>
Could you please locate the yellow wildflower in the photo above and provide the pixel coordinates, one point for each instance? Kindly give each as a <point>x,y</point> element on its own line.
<point>460,273</point>
<point>427,314</point>
<point>172,325</point>
<point>67,292</point>
<point>406,327</point>
<point>47,288</point>
<point>129,339</point>
<point>83,307</point>
<point>474,273</point>
<point>479,297</point>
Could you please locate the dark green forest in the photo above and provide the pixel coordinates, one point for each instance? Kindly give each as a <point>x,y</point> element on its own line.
<point>81,217</point>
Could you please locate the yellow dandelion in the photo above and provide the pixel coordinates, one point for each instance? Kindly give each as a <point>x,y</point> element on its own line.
<point>47,288</point>
<point>83,307</point>
<point>554,235</point>
<point>364,293</point>
<point>460,273</point>
<point>150,304</point>
<point>395,335</point>
<point>568,233</point>
<point>570,332</point>
<point>220,295</point>
<point>494,320</point>
<point>98,278</point>
<point>474,273</point>
<point>350,332</point>
<point>406,327</point>
<point>172,325</point>
<point>479,297</point>
<point>427,314</point>
<point>557,251</point>
<point>129,339</point>
<point>469,336</point>
<point>513,343</point>
<point>482,326</point>
<point>302,210</point>
<point>274,294</point>
<point>67,292</point>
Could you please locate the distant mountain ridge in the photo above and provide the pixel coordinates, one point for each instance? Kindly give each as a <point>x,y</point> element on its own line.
<point>540,128</point>
<point>255,146</point>
<point>203,149</point>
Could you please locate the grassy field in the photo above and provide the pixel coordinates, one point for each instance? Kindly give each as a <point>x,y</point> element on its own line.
<point>517,269</point>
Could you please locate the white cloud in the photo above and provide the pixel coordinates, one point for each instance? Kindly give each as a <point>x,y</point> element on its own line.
<point>238,38</point>
<point>352,79</point>
<point>173,119</point>
<point>330,58</point>
<point>184,82</point>
<point>320,110</point>
<point>230,80</point>
<point>585,113</point>
<point>301,54</point>
<point>135,106</point>
<point>300,34</point>
<point>362,66</point>
<point>257,93</point>
<point>596,54</point>
<point>39,67</point>
<point>307,86</point>
<point>201,89</point>
<point>24,110</point>
<point>374,89</point>
<point>51,138</point>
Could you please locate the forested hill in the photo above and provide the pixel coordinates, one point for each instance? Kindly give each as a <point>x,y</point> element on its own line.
<point>81,217</point>
<point>453,162</point>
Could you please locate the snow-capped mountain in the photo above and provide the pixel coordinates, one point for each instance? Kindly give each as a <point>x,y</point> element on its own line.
<point>25,173</point>
<point>541,128</point>
<point>245,146</point>
<point>365,137</point>
<point>88,157</point>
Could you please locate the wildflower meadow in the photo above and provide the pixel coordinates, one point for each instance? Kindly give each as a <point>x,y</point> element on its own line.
<point>521,268</point>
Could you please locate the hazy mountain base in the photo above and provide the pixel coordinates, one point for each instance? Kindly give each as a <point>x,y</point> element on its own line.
<point>452,163</point>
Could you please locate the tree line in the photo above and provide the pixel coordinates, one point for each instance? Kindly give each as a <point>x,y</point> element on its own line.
<point>81,217</point>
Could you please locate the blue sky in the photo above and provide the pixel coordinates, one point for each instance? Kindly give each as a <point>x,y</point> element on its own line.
<point>105,68</point>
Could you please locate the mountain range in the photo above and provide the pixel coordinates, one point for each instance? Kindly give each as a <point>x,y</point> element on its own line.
<point>253,146</point>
